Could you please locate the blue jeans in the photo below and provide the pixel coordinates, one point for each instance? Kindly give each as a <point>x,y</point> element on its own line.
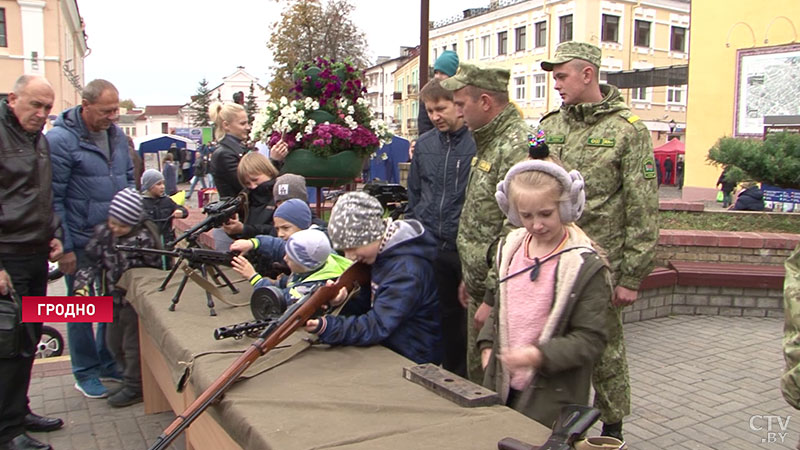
<point>194,183</point>
<point>88,351</point>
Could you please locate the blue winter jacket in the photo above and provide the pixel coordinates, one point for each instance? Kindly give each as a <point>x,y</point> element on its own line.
<point>84,179</point>
<point>402,309</point>
<point>438,180</point>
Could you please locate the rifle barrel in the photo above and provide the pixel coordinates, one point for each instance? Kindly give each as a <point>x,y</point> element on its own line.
<point>153,251</point>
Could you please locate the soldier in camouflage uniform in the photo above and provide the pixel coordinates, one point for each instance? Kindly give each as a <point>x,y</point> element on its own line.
<point>501,137</point>
<point>595,133</point>
<point>790,381</point>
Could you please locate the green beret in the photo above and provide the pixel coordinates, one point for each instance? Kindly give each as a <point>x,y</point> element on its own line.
<point>489,78</point>
<point>567,51</point>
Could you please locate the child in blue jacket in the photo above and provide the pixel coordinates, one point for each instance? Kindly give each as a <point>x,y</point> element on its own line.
<point>401,310</point>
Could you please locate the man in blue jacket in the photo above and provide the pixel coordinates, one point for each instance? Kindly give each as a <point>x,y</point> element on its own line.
<point>90,165</point>
<point>436,184</point>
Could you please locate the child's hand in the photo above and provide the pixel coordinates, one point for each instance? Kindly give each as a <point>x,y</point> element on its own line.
<point>522,358</point>
<point>177,214</point>
<point>242,266</point>
<point>241,245</point>
<point>233,226</point>
<point>311,325</point>
<point>339,299</point>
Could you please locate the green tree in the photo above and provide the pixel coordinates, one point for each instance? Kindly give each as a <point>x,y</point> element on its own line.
<point>127,104</point>
<point>774,160</point>
<point>200,103</point>
<point>250,105</point>
<point>307,30</point>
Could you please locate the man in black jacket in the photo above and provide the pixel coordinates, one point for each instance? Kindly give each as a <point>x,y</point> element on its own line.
<point>28,230</point>
<point>436,183</point>
<point>445,67</point>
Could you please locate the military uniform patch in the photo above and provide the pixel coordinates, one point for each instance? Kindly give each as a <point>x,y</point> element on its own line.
<point>484,165</point>
<point>601,142</point>
<point>649,169</point>
<point>555,139</point>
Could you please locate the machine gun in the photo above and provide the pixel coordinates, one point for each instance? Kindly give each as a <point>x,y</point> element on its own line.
<point>218,213</point>
<point>240,330</point>
<point>572,423</point>
<point>196,258</point>
<point>393,197</point>
<point>294,317</point>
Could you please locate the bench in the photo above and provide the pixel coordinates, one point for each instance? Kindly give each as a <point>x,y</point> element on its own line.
<point>692,273</point>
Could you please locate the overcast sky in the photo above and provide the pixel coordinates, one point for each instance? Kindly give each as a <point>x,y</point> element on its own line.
<point>156,52</point>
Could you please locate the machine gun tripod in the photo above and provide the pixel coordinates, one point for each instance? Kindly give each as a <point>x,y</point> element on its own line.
<point>206,261</point>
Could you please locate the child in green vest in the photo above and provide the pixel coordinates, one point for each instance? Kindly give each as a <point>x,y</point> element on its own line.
<point>311,260</point>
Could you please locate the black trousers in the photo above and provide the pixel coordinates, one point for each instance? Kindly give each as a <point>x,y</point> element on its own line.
<point>29,277</point>
<point>122,338</point>
<point>447,269</point>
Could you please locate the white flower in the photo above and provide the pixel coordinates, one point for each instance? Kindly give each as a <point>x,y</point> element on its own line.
<point>351,110</point>
<point>310,127</point>
<point>298,137</point>
<point>351,123</point>
<point>284,100</point>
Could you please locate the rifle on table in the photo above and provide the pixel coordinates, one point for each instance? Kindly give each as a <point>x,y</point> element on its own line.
<point>573,421</point>
<point>218,213</point>
<point>294,317</point>
<point>204,260</point>
<point>191,255</point>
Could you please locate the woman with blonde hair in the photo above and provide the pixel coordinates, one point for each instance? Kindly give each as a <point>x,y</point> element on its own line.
<point>231,128</point>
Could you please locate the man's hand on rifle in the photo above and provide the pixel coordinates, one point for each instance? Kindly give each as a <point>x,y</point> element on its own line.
<point>242,246</point>
<point>243,267</point>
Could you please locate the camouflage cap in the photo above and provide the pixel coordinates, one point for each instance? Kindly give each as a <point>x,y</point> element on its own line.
<point>570,50</point>
<point>489,78</point>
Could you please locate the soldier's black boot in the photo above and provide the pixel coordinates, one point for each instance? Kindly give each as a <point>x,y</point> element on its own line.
<point>613,429</point>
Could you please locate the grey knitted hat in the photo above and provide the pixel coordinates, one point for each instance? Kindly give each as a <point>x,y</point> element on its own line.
<point>290,186</point>
<point>126,207</point>
<point>356,220</point>
<point>149,178</point>
<point>309,248</point>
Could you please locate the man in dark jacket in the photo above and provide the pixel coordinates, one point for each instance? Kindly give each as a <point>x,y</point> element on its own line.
<point>436,184</point>
<point>28,230</point>
<point>90,165</point>
<point>445,67</point>
<point>750,199</point>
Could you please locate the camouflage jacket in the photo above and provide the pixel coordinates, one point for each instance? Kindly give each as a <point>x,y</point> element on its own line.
<point>501,143</point>
<point>790,381</point>
<point>106,264</point>
<point>613,150</point>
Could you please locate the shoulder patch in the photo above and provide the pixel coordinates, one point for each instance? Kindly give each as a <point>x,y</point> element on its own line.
<point>633,119</point>
<point>649,168</point>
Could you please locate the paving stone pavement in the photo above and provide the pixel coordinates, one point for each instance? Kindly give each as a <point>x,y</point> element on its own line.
<point>698,382</point>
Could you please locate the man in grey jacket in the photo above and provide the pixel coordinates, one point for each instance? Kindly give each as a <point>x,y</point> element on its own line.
<point>436,182</point>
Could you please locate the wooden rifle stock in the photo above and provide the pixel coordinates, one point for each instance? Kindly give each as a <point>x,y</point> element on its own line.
<point>294,318</point>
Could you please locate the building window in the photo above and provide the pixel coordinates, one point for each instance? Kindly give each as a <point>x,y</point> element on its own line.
<point>165,127</point>
<point>539,85</point>
<point>485,47</point>
<point>454,47</point>
<point>519,39</point>
<point>541,34</point>
<point>675,95</point>
<point>133,131</point>
<point>3,40</point>
<point>519,88</point>
<point>639,94</point>
<point>435,54</point>
<point>502,43</point>
<point>610,28</point>
<point>470,49</point>
<point>677,42</point>
<point>565,28</point>
<point>641,36</point>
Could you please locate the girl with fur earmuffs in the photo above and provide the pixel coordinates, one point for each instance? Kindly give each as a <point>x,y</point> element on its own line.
<point>548,326</point>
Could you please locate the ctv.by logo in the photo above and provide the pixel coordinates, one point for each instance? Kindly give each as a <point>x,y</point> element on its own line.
<point>775,427</point>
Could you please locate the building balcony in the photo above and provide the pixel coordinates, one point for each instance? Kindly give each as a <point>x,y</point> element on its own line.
<point>397,96</point>
<point>411,125</point>
<point>412,90</point>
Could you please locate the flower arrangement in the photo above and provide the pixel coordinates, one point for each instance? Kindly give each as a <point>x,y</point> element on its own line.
<point>328,114</point>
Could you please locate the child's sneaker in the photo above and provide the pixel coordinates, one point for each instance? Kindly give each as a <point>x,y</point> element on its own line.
<point>91,388</point>
<point>125,397</point>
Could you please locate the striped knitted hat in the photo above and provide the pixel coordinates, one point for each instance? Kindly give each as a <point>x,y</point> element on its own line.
<point>126,207</point>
